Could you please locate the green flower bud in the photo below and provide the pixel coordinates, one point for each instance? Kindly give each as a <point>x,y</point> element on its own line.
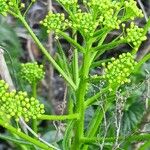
<point>54,22</point>
<point>134,34</point>
<point>3,7</point>
<point>84,22</point>
<point>32,72</point>
<point>117,71</point>
<point>131,9</point>
<point>18,104</point>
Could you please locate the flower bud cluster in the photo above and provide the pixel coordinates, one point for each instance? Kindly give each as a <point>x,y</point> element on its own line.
<point>135,35</point>
<point>3,87</point>
<point>132,11</point>
<point>118,70</point>
<point>17,104</point>
<point>3,7</point>
<point>84,23</point>
<point>6,5</point>
<point>32,72</point>
<point>54,22</point>
<point>68,2</point>
<point>107,10</point>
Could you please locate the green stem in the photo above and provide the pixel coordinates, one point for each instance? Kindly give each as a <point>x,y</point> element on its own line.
<point>45,52</point>
<point>24,136</point>
<point>34,94</point>
<point>94,98</point>
<point>147,27</point>
<point>95,79</point>
<point>99,63</point>
<point>61,117</point>
<point>108,46</point>
<point>15,140</point>
<point>142,61</point>
<point>28,8</point>
<point>68,135</point>
<point>71,41</point>
<point>34,91</point>
<point>80,95</point>
<point>76,67</point>
<point>131,138</point>
<point>95,122</point>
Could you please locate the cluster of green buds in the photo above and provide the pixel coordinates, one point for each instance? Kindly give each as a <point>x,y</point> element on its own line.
<point>134,35</point>
<point>6,5</point>
<point>54,22</point>
<point>84,23</point>
<point>32,72</point>
<point>106,12</point>
<point>117,71</point>
<point>3,7</point>
<point>3,87</point>
<point>68,3</point>
<point>110,21</point>
<point>131,9</point>
<point>18,105</point>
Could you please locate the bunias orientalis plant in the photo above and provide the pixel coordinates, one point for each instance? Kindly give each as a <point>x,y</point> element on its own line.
<point>94,21</point>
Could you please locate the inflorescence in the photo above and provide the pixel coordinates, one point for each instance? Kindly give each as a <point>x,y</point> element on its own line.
<point>32,72</point>
<point>106,12</point>
<point>18,105</point>
<point>84,23</point>
<point>3,7</point>
<point>117,71</point>
<point>134,35</point>
<point>12,5</point>
<point>54,22</point>
<point>131,9</point>
<point>101,13</point>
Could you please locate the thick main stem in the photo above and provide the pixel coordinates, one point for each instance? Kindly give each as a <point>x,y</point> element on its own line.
<point>80,95</point>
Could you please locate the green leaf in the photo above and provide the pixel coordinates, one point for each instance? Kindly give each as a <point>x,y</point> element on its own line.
<point>132,116</point>
<point>62,59</point>
<point>15,140</point>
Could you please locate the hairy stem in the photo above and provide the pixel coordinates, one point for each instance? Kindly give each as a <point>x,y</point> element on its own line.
<point>130,139</point>
<point>71,41</point>
<point>80,94</point>
<point>34,94</point>
<point>60,117</point>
